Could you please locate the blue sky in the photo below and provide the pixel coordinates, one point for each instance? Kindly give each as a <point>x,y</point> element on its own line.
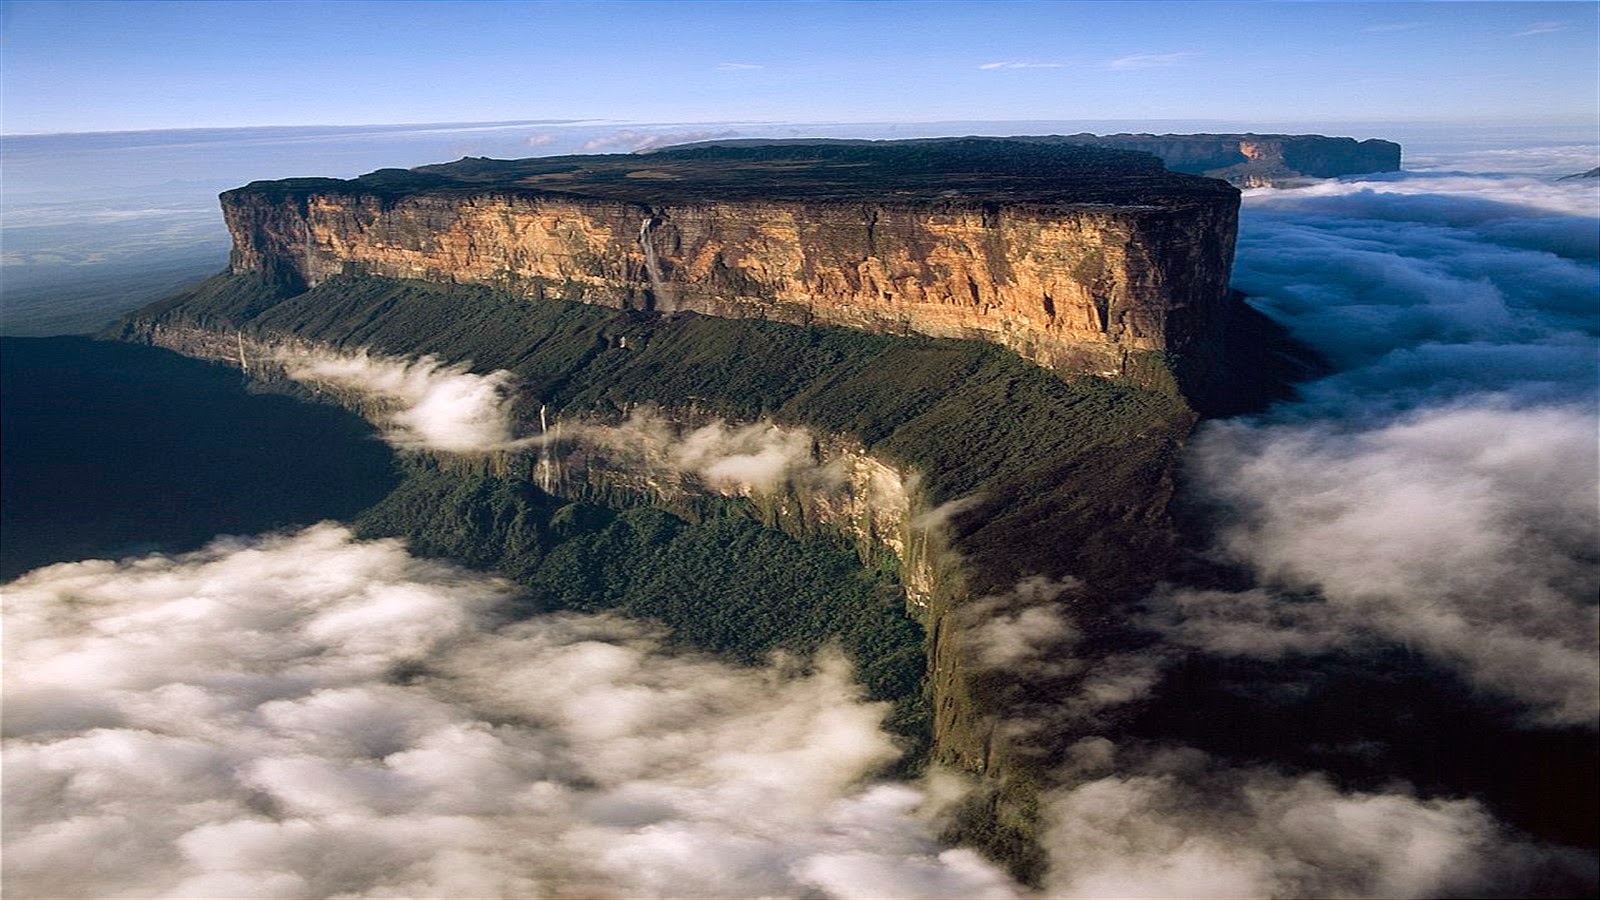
<point>82,66</point>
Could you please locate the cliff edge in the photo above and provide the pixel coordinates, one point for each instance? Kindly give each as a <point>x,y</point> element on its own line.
<point>1257,160</point>
<point>1086,260</point>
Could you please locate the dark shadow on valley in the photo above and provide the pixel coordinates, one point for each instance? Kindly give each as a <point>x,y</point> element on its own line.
<point>114,449</point>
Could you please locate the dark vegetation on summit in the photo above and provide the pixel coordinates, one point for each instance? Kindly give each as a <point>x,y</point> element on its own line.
<point>922,173</point>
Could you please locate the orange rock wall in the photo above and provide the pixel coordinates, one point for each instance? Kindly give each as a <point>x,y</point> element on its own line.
<point>1080,289</point>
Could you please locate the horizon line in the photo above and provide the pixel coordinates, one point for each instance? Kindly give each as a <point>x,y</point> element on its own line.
<point>569,122</point>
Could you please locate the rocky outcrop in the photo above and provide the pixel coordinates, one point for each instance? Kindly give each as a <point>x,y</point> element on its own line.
<point>1257,160</point>
<point>1082,260</point>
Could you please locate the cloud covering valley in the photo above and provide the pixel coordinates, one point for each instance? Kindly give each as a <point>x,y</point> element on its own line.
<point>310,715</point>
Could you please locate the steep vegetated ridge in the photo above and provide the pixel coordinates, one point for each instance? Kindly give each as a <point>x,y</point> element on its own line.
<point>963,475</point>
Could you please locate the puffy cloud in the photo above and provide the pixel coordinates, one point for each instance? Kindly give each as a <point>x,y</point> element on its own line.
<point>1441,489</point>
<point>1179,824</point>
<point>941,515</point>
<point>1445,286</point>
<point>422,404</point>
<point>1022,628</point>
<point>1040,676</point>
<point>760,457</point>
<point>309,715</point>
<point>1465,532</point>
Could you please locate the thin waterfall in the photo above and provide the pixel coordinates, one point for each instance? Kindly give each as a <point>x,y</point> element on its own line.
<point>661,300</point>
<point>306,233</point>
<point>545,479</point>
<point>244,364</point>
<point>559,475</point>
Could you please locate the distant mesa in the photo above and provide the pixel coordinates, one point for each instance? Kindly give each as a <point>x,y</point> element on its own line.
<point>1083,259</point>
<point>1259,160</point>
<point>1244,160</point>
<point>1088,255</point>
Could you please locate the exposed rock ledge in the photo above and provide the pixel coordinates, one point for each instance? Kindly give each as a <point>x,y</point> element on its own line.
<point>1086,260</point>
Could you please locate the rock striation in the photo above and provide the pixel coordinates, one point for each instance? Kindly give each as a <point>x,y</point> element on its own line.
<point>1085,260</point>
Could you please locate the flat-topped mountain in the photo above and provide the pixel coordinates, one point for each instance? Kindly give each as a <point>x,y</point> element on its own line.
<point>1258,160</point>
<point>1083,259</point>
<point>1246,160</point>
<point>916,172</point>
<point>964,473</point>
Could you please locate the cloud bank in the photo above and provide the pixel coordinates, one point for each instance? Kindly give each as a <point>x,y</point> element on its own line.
<point>309,715</point>
<point>1177,823</point>
<point>1440,490</point>
<point>421,404</point>
<point>632,140</point>
<point>761,457</point>
<point>1465,532</point>
<point>1154,819</point>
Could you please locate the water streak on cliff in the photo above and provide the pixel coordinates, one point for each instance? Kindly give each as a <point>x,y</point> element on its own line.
<point>660,296</point>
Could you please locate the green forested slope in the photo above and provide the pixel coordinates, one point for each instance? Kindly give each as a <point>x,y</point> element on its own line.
<point>1072,476</point>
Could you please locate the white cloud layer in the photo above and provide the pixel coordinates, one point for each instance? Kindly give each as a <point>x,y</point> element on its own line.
<point>760,457</point>
<point>1442,490</point>
<point>307,715</point>
<point>421,404</point>
<point>1178,824</point>
<point>1171,821</point>
<point>633,140</point>
<point>1467,533</point>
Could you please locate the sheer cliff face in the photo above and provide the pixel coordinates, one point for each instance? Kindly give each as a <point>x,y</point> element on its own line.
<point>1072,288</point>
<point>1077,258</point>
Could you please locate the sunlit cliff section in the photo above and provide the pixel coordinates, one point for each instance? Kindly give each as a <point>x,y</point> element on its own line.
<point>1085,260</point>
